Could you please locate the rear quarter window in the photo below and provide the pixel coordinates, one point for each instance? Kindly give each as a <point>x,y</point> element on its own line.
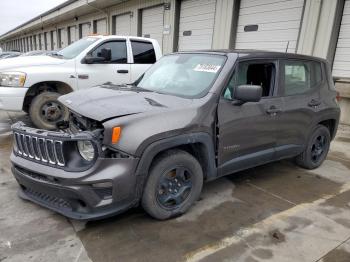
<point>301,76</point>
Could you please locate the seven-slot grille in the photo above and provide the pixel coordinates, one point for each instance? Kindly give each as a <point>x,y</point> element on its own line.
<point>41,149</point>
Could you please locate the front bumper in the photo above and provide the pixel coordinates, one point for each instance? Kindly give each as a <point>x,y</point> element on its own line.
<point>75,197</point>
<point>51,174</point>
<point>12,98</point>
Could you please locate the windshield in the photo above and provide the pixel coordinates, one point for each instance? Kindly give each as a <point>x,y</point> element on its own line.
<point>185,75</point>
<point>76,48</point>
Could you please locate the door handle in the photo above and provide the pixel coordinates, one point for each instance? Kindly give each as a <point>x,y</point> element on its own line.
<point>314,103</point>
<point>273,110</point>
<point>122,71</point>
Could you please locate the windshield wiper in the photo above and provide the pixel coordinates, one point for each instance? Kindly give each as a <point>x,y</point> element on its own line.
<point>125,87</point>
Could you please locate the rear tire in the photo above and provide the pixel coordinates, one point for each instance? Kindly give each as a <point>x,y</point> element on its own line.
<point>175,182</point>
<point>316,150</point>
<point>45,111</point>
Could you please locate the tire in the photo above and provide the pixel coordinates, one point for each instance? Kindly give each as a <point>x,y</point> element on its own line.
<point>45,111</point>
<point>317,148</point>
<point>168,169</point>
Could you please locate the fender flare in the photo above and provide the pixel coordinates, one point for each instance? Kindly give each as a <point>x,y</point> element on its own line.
<point>328,114</point>
<point>159,146</point>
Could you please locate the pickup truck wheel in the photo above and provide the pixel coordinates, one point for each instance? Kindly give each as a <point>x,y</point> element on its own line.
<point>175,182</point>
<point>316,150</point>
<point>45,110</point>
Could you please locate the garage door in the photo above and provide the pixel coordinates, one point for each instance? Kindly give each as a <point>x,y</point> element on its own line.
<point>85,29</point>
<point>72,34</point>
<point>269,25</point>
<point>48,40</point>
<point>196,24</point>
<point>341,66</point>
<point>101,26</point>
<point>54,40</point>
<point>38,47</point>
<point>63,38</point>
<point>40,41</point>
<point>122,24</point>
<point>153,23</point>
<point>35,41</point>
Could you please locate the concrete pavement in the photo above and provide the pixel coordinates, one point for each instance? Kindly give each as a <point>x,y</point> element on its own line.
<point>276,212</point>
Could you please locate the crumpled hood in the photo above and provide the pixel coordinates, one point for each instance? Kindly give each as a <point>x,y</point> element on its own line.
<point>101,103</point>
<point>27,61</point>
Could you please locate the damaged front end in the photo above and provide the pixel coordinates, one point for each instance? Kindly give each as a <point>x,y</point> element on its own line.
<point>56,149</point>
<point>71,171</point>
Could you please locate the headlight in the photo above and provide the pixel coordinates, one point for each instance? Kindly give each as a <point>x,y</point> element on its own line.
<point>86,150</point>
<point>13,79</point>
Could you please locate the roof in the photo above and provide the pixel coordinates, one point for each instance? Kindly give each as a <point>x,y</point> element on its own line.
<point>258,54</point>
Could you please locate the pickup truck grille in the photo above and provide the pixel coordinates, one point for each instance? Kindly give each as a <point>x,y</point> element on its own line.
<point>39,148</point>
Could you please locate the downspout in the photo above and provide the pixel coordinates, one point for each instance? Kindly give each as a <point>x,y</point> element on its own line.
<point>102,11</point>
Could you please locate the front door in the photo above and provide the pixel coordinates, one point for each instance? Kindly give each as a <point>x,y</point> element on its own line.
<point>116,71</point>
<point>247,133</point>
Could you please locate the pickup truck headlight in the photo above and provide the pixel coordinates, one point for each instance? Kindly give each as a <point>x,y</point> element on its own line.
<point>12,79</point>
<point>86,150</point>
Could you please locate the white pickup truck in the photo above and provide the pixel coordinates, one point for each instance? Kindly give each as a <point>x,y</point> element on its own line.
<point>33,83</point>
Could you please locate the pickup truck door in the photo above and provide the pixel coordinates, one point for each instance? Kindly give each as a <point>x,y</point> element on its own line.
<point>247,132</point>
<point>143,56</point>
<point>116,71</point>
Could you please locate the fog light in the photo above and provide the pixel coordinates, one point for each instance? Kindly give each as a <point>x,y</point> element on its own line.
<point>104,190</point>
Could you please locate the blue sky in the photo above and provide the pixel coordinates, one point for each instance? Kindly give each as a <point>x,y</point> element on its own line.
<point>16,12</point>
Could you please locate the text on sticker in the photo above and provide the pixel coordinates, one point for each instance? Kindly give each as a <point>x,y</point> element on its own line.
<point>207,68</point>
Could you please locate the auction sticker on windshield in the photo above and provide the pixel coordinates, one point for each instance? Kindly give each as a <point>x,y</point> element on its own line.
<point>207,68</point>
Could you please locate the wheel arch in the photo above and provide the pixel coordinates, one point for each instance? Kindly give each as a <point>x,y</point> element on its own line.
<point>331,124</point>
<point>53,86</point>
<point>200,145</point>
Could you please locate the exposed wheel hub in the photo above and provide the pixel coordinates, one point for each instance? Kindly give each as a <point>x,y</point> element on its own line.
<point>51,111</point>
<point>174,187</point>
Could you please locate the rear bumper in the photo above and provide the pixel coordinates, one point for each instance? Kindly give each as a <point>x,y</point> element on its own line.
<point>12,98</point>
<point>76,197</point>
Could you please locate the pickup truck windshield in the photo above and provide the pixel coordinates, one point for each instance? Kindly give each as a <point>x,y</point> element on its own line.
<point>185,75</point>
<point>76,48</point>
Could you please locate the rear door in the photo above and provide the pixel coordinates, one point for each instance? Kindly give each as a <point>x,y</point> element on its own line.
<point>247,133</point>
<point>143,56</point>
<point>300,87</point>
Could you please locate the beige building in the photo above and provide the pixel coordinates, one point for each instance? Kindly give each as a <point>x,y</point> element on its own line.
<point>313,27</point>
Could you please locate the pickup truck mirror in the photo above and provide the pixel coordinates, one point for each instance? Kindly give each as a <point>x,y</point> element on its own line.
<point>248,93</point>
<point>105,55</point>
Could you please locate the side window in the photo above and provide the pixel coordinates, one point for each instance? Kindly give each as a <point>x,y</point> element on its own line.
<point>252,73</point>
<point>118,50</point>
<point>300,77</point>
<point>143,52</point>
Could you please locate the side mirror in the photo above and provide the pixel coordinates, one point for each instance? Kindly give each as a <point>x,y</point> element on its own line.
<point>248,93</point>
<point>105,55</point>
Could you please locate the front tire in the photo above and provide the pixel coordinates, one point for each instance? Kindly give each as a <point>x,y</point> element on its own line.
<point>45,111</point>
<point>175,182</point>
<point>317,148</point>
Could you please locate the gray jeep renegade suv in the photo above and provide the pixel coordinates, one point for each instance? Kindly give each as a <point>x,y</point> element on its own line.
<point>192,117</point>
